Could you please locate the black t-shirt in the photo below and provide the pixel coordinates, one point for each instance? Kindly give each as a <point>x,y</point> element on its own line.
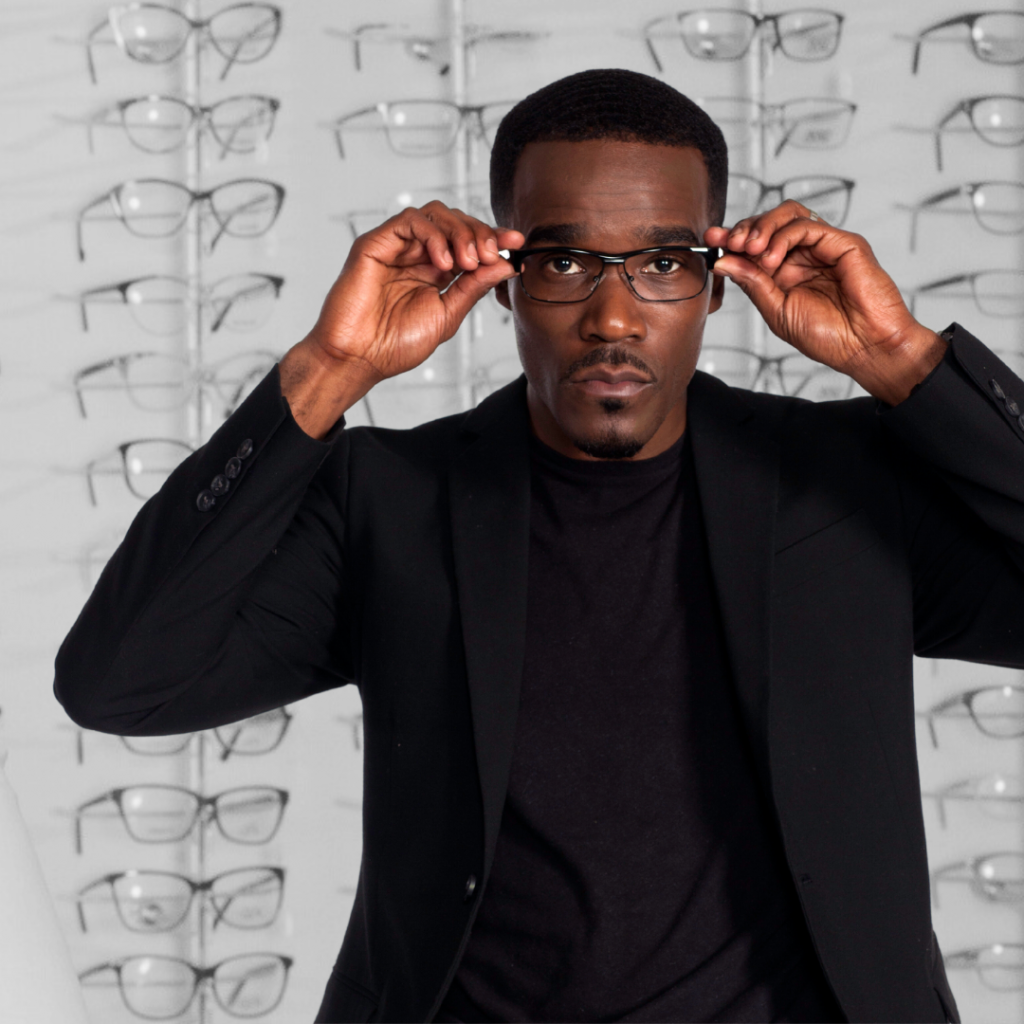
<point>638,875</point>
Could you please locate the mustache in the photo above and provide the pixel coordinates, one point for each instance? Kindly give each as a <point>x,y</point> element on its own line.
<point>609,356</point>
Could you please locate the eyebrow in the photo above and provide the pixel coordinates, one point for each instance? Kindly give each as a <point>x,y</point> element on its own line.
<point>570,234</point>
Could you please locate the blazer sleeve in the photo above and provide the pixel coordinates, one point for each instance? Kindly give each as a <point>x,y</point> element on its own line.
<point>220,604</point>
<point>962,431</point>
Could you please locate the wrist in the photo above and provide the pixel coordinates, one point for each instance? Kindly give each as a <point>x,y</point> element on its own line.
<point>891,371</point>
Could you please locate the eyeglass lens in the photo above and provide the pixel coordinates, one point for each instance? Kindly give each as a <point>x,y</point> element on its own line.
<point>788,374</point>
<point>805,35</point>
<point>160,124</point>
<point>565,276</point>
<point>257,735</point>
<point>147,464</point>
<point>998,711</point>
<point>828,196</point>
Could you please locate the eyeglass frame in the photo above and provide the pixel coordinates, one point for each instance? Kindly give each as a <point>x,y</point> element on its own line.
<point>966,106</point>
<point>959,791</point>
<point>202,23</point>
<point>226,748</point>
<point>199,975</point>
<point>967,959</point>
<point>975,879</point>
<point>113,197</point>
<point>204,887</point>
<point>201,116</point>
<point>122,450</point>
<point>116,796</point>
<point>966,699</point>
<point>757,19</point>
<point>932,286</point>
<point>968,188</point>
<point>844,185</point>
<point>968,21</point>
<point>517,256</point>
<point>774,364</point>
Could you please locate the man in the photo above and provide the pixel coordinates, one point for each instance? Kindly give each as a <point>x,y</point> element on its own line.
<point>634,647</point>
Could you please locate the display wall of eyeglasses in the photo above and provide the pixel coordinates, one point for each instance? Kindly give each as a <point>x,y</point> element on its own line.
<point>181,183</point>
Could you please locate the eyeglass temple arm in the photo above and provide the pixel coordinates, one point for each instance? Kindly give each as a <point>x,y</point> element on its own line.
<point>960,19</point>
<point>945,874</point>
<point>650,45</point>
<point>939,129</point>
<point>80,221</point>
<point>229,62</point>
<point>79,811</point>
<point>932,200</point>
<point>89,43</point>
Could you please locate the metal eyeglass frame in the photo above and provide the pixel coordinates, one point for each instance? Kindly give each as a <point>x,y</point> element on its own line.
<point>933,287</point>
<point>219,902</point>
<point>968,189</point>
<point>948,709</point>
<point>967,107</point>
<point>972,871</point>
<point>202,26</point>
<point>710,254</point>
<point>92,468</point>
<point>968,21</point>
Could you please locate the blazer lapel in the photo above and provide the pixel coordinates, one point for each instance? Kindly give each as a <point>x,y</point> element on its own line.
<point>489,486</point>
<point>737,481</point>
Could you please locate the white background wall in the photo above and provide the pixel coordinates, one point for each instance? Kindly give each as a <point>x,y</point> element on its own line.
<point>51,533</point>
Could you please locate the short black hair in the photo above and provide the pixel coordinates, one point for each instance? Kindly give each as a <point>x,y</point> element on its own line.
<point>607,103</point>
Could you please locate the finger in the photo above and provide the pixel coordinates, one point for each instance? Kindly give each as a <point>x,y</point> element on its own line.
<point>758,285</point>
<point>410,226</point>
<point>824,245</point>
<point>751,234</point>
<point>468,288</point>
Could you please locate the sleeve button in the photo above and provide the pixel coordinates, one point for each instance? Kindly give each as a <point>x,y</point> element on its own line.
<point>245,448</point>
<point>470,887</point>
<point>219,484</point>
<point>996,389</point>
<point>1012,408</point>
<point>205,501</point>
<point>233,468</point>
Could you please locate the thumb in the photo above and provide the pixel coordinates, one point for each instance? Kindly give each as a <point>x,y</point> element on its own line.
<point>757,285</point>
<point>471,286</point>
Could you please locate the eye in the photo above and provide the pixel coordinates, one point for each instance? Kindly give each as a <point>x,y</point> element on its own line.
<point>660,265</point>
<point>563,264</point>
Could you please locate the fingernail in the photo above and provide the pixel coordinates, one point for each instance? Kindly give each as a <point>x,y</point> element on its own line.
<point>754,233</point>
<point>491,244</point>
<point>471,249</point>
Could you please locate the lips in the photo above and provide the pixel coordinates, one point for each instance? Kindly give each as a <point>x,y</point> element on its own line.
<point>608,382</point>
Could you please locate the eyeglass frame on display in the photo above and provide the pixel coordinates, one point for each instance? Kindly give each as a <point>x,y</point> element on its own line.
<point>840,107</point>
<point>844,185</point>
<point>986,888</point>
<point>473,36</point>
<point>950,792</point>
<point>200,975</point>
<point>709,253</point>
<point>775,363</point>
<point>759,20</point>
<point>969,189</point>
<point>966,700</point>
<point>967,959</point>
<point>113,197</point>
<point>931,287</point>
<point>203,380</point>
<point>201,817</point>
<point>203,889</point>
<point>967,107</point>
<point>194,26</point>
<point>92,467</point>
<point>968,20</point>
<point>465,113</point>
<point>227,747</point>
<point>201,119</point>
<point>276,282</point>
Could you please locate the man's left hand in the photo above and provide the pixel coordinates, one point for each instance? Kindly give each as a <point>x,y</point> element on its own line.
<point>823,291</point>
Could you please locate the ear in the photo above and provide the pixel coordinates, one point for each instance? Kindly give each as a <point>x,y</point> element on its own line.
<point>501,294</point>
<point>717,293</point>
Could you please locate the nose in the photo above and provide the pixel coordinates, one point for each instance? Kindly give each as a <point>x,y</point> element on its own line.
<point>612,313</point>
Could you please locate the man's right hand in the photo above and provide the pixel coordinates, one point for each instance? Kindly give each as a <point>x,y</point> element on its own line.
<point>405,288</point>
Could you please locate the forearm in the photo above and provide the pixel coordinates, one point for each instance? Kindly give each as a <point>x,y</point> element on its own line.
<point>319,387</point>
<point>163,619</point>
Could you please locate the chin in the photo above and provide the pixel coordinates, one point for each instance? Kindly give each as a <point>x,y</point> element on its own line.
<point>612,444</point>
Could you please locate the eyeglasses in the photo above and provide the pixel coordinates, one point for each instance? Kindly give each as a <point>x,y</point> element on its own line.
<point>997,711</point>
<point>805,34</point>
<point>829,196</point>
<point>144,464</point>
<point>997,206</point>
<point>162,124</point>
<point>999,796</point>
<point>157,901</point>
<point>260,734</point>
<point>157,208</point>
<point>997,120</point>
<point>996,37</point>
<point>162,987</point>
<point>809,123</point>
<point>160,304</point>
<point>166,814</point>
<point>434,50</point>
<point>999,966</point>
<point>997,877</point>
<point>658,274</point>
<point>997,293</point>
<point>790,374</point>
<point>422,127</point>
<point>156,382</point>
<point>361,221</point>
<point>156,34</point>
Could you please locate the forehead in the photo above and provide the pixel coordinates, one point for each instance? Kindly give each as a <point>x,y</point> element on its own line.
<point>610,188</point>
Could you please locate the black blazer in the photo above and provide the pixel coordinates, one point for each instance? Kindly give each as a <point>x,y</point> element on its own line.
<point>843,537</point>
